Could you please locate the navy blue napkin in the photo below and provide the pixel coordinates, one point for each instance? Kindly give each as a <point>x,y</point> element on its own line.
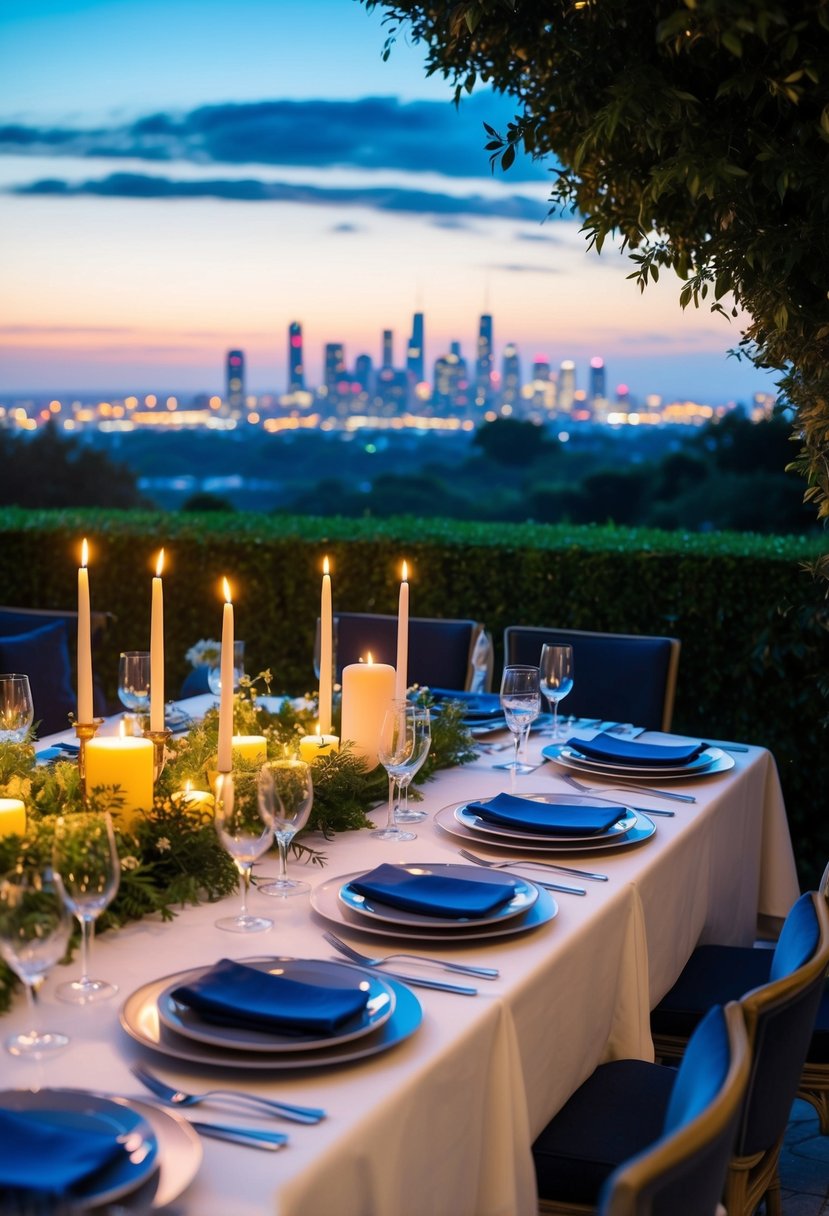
<point>477,706</point>
<point>40,1154</point>
<point>433,894</point>
<point>630,751</point>
<point>231,994</point>
<point>541,817</point>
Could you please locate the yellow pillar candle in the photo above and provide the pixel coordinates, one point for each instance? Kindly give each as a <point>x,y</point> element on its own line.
<point>326,650</point>
<point>195,801</point>
<point>85,710</point>
<point>368,690</point>
<point>126,762</point>
<point>225,758</point>
<point>157,650</point>
<point>12,817</point>
<point>249,747</point>
<point>401,682</point>
<point>311,747</point>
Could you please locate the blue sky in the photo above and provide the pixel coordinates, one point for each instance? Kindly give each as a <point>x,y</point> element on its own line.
<point>178,178</point>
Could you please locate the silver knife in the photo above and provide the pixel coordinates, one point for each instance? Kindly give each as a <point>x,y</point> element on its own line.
<point>250,1136</point>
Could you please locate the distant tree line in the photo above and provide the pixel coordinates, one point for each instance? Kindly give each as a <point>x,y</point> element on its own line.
<point>52,469</point>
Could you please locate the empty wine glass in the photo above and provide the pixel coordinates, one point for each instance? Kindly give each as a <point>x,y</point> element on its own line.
<point>395,752</point>
<point>16,707</point>
<point>86,859</point>
<point>134,686</point>
<point>286,795</point>
<point>246,836</point>
<point>556,677</point>
<point>214,674</point>
<point>521,703</point>
<point>34,932</point>
<point>423,742</point>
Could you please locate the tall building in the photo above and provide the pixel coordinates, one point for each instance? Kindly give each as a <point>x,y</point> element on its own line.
<point>296,368</point>
<point>414,354</point>
<point>598,388</point>
<point>566,387</point>
<point>235,381</point>
<point>543,387</point>
<point>363,369</point>
<point>337,381</point>
<point>388,351</point>
<point>510,380</point>
<point>484,363</point>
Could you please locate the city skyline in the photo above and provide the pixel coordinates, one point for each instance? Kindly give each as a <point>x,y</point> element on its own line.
<point>169,202</point>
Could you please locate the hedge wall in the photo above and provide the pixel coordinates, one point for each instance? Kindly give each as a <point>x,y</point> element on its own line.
<point>751,618</point>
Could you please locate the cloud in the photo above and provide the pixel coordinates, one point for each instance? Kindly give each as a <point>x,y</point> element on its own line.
<point>347,228</point>
<point>253,190</point>
<point>537,238</point>
<point>371,133</point>
<point>524,268</point>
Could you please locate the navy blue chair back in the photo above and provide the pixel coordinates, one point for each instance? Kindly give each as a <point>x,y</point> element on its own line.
<point>439,650</point>
<point>618,677</point>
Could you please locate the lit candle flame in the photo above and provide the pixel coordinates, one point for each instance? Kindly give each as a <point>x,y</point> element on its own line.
<point>325,568</point>
<point>405,572</point>
<point>159,565</point>
<point>84,553</point>
<point>188,785</point>
<point>369,659</point>
<point>226,587</point>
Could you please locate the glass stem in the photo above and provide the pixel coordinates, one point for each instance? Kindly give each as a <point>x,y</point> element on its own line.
<point>282,842</point>
<point>244,870</point>
<point>87,930</point>
<point>390,825</point>
<point>555,719</point>
<point>33,1007</point>
<point>403,797</point>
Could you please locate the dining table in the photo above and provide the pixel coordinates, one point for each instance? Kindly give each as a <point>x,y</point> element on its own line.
<point>443,1121</point>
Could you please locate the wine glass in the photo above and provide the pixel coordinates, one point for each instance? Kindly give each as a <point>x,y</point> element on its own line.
<point>423,741</point>
<point>395,751</point>
<point>85,857</point>
<point>556,677</point>
<point>134,685</point>
<point>214,674</point>
<point>17,710</point>
<point>521,703</point>
<point>286,795</point>
<point>34,932</point>
<point>246,836</point>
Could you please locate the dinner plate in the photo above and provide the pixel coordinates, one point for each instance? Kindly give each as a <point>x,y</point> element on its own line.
<point>82,1111</point>
<point>179,1149</point>
<point>189,1023</point>
<point>525,896</point>
<point>325,899</point>
<point>627,819</point>
<point>719,762</point>
<point>139,1019</point>
<point>642,830</point>
<point>703,761</point>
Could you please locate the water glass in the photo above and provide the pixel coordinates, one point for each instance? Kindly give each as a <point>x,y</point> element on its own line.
<point>286,795</point>
<point>134,685</point>
<point>423,742</point>
<point>396,752</point>
<point>521,703</point>
<point>17,710</point>
<point>246,836</point>
<point>35,925</point>
<point>85,857</point>
<point>214,674</point>
<point>556,677</point>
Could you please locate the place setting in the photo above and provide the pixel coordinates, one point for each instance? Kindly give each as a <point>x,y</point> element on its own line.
<point>611,755</point>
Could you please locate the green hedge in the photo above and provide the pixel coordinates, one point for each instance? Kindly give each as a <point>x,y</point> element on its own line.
<point>751,619</point>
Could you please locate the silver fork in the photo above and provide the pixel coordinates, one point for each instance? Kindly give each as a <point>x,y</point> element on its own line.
<point>641,789</point>
<point>542,865</point>
<point>595,789</point>
<point>485,973</point>
<point>177,1097</point>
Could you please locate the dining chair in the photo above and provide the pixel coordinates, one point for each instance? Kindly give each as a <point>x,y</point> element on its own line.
<point>440,650</point>
<point>641,1139</point>
<point>717,973</point>
<point>621,677</point>
<point>780,991</point>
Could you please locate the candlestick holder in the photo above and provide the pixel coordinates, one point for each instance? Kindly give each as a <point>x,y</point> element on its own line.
<point>159,741</point>
<point>85,731</point>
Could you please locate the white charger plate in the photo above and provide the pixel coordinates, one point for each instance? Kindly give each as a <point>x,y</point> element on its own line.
<point>627,820</point>
<point>525,896</point>
<point>179,1149</point>
<point>567,758</point>
<point>189,1023</point>
<point>642,830</point>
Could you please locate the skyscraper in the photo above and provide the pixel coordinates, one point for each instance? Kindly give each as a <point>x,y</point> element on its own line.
<point>336,377</point>
<point>484,363</point>
<point>296,369</point>
<point>510,380</point>
<point>235,380</point>
<point>566,387</point>
<point>388,352</point>
<point>598,390</point>
<point>414,354</point>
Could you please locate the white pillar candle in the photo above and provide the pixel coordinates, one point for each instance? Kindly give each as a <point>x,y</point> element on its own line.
<point>225,757</point>
<point>326,650</point>
<point>157,650</point>
<point>401,682</point>
<point>368,690</point>
<point>126,762</point>
<point>85,709</point>
<point>12,817</point>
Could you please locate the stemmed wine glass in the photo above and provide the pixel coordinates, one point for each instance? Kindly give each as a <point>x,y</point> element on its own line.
<point>34,932</point>
<point>85,857</point>
<point>246,836</point>
<point>286,795</point>
<point>134,684</point>
<point>521,703</point>
<point>214,674</point>
<point>396,751</point>
<point>556,677</point>
<point>423,741</point>
<point>17,710</point>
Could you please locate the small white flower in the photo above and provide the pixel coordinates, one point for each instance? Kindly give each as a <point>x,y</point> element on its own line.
<point>130,863</point>
<point>163,844</point>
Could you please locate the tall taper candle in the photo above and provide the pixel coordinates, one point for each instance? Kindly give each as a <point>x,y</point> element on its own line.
<point>225,758</point>
<point>157,650</point>
<point>402,682</point>
<point>326,651</point>
<point>85,709</point>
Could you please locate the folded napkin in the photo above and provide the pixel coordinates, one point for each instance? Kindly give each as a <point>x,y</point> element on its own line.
<point>231,994</point>
<point>40,1153</point>
<point>433,894</point>
<point>476,705</point>
<point>630,751</point>
<point>543,817</point>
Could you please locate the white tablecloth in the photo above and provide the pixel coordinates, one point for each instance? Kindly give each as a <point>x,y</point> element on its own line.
<point>443,1123</point>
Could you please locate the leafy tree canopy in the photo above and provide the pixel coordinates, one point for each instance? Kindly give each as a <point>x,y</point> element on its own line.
<point>696,130</point>
<point>50,469</point>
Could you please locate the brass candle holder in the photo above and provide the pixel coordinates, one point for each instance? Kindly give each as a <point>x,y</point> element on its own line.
<point>159,740</point>
<point>84,732</point>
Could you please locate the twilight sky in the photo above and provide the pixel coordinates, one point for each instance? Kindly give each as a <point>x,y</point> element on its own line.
<point>178,177</point>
